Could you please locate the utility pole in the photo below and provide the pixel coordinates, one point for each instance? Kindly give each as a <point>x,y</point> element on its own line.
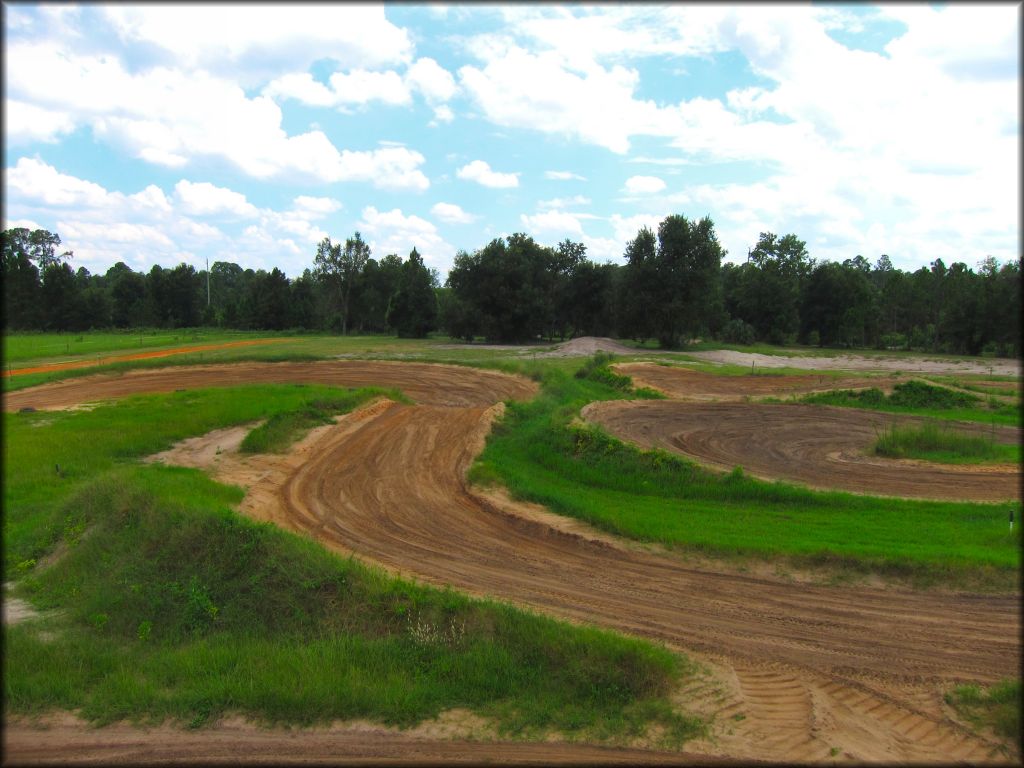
<point>207,282</point>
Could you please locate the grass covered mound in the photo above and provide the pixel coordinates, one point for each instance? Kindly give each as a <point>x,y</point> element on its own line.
<point>941,443</point>
<point>919,397</point>
<point>167,604</point>
<point>176,607</point>
<point>543,454</point>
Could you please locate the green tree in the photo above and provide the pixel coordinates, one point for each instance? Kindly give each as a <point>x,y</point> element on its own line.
<point>683,286</point>
<point>503,288</point>
<point>412,311</point>
<point>639,287</point>
<point>339,268</point>
<point>21,286</point>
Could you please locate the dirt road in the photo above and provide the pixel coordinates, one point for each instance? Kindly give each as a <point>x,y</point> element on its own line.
<point>801,673</point>
<point>818,446</point>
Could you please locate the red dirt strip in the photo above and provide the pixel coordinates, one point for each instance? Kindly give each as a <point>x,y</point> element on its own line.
<point>71,365</point>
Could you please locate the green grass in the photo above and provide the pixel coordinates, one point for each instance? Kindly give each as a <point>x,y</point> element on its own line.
<point>997,707</point>
<point>656,496</point>
<point>937,442</point>
<point>170,605</point>
<point>917,397</point>
<point>282,429</point>
<point>23,348</point>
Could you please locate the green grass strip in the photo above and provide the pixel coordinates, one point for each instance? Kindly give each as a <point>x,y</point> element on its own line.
<point>580,471</point>
<point>917,397</point>
<point>941,443</point>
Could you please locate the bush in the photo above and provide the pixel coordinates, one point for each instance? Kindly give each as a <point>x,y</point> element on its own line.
<point>737,331</point>
<point>917,394</point>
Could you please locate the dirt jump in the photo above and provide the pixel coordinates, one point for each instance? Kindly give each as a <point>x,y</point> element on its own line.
<point>798,673</point>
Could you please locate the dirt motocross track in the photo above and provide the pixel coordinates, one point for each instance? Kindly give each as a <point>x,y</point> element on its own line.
<point>800,672</point>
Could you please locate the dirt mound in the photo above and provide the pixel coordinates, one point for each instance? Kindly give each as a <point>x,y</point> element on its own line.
<point>679,382</point>
<point>584,346</point>
<point>806,670</point>
<point>999,366</point>
<point>821,447</point>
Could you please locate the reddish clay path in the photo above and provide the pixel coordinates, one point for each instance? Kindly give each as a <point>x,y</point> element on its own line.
<point>71,365</point>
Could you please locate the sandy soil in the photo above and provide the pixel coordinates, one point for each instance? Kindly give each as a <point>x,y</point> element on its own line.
<point>818,446</point>
<point>922,364</point>
<point>796,672</point>
<point>66,739</point>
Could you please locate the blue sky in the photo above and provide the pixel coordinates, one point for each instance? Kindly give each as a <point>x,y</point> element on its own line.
<point>155,134</point>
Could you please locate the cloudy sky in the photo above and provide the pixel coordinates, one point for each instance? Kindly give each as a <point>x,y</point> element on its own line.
<point>156,134</point>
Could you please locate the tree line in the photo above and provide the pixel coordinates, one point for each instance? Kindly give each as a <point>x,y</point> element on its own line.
<point>673,287</point>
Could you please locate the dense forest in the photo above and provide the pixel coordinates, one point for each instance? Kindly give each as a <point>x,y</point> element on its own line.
<point>673,287</point>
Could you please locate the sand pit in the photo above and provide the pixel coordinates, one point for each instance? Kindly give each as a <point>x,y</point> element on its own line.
<point>810,669</point>
<point>818,446</point>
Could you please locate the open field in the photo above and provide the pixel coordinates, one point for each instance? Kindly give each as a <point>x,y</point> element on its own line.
<point>794,672</point>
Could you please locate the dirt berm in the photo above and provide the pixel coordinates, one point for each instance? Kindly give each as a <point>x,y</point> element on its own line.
<point>803,672</point>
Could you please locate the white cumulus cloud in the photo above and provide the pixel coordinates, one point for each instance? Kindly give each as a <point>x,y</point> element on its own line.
<point>452,214</point>
<point>205,199</point>
<point>394,232</point>
<point>480,172</point>
<point>644,185</point>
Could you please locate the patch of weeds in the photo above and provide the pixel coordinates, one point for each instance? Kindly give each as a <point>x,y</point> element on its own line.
<point>998,707</point>
<point>935,442</point>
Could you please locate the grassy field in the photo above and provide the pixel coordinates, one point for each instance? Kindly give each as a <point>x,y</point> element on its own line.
<point>158,579</point>
<point>655,496</point>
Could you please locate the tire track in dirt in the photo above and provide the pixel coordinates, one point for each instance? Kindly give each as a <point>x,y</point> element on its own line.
<point>388,484</point>
<point>819,446</point>
<point>391,489</point>
<point>450,385</point>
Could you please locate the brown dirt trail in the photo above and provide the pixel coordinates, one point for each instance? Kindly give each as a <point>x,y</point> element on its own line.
<point>819,446</point>
<point>811,669</point>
